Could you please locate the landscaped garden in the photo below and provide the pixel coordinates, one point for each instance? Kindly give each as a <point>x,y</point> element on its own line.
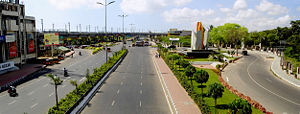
<point>204,87</point>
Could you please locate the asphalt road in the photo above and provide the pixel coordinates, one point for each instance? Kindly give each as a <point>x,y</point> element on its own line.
<point>37,96</point>
<point>134,88</point>
<point>252,76</point>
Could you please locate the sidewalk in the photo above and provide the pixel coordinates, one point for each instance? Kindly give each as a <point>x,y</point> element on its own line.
<point>179,98</point>
<point>276,69</point>
<point>17,76</point>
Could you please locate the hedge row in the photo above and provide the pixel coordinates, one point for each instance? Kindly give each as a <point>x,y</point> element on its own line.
<point>72,97</point>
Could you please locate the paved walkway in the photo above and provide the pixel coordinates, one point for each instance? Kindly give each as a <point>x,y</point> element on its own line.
<point>10,77</point>
<point>179,98</point>
<point>276,68</point>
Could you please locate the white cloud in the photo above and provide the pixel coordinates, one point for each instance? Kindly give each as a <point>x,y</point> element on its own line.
<point>239,4</point>
<point>73,4</point>
<point>250,13</point>
<point>271,9</point>
<point>225,10</point>
<point>298,8</point>
<point>186,15</point>
<point>142,6</point>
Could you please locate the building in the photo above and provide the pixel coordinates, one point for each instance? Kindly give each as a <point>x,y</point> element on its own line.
<point>17,34</point>
<point>176,32</point>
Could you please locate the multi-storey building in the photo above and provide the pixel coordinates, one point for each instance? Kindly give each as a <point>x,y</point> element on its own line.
<point>17,34</point>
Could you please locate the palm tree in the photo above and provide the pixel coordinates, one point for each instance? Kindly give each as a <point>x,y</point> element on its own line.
<point>215,90</point>
<point>55,81</point>
<point>74,83</point>
<point>189,72</point>
<point>239,106</point>
<point>201,77</point>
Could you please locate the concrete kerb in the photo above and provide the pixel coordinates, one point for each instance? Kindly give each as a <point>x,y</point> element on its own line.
<point>281,77</point>
<point>169,96</point>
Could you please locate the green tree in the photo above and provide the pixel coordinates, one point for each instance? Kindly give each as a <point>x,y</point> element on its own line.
<point>239,106</point>
<point>74,83</point>
<point>55,81</point>
<point>201,76</point>
<point>215,91</point>
<point>189,72</point>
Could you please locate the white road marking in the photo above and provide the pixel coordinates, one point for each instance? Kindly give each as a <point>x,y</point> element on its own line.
<point>166,91</point>
<point>12,102</point>
<point>51,94</point>
<point>141,83</point>
<point>45,85</point>
<point>118,91</point>
<point>141,92</point>
<point>227,79</point>
<point>141,77</point>
<point>34,105</point>
<point>31,93</point>
<point>81,79</point>
<point>269,80</point>
<point>140,103</point>
<point>121,83</point>
<point>266,88</point>
<point>112,104</point>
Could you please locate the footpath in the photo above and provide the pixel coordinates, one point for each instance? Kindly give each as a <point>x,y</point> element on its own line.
<point>276,69</point>
<point>23,74</point>
<point>181,102</point>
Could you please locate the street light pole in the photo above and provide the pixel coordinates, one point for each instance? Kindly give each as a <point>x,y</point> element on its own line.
<point>105,6</point>
<point>123,18</point>
<point>42,22</point>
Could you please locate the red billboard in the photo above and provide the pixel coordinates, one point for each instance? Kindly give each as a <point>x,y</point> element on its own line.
<point>31,46</point>
<point>13,50</point>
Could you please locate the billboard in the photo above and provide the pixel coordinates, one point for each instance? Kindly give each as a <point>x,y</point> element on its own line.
<point>31,46</point>
<point>13,50</point>
<point>10,37</point>
<point>51,38</point>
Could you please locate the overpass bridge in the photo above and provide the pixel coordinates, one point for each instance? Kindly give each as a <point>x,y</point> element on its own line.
<point>100,35</point>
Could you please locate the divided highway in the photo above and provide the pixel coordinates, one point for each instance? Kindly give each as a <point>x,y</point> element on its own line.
<point>134,88</point>
<point>252,76</point>
<point>37,96</point>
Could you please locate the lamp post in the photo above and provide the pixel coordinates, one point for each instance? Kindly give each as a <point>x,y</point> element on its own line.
<point>123,18</point>
<point>42,22</point>
<point>105,32</point>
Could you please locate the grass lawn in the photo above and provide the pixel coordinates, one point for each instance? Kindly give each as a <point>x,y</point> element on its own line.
<point>226,99</point>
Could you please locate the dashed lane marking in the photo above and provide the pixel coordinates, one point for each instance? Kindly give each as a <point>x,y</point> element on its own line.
<point>140,103</point>
<point>51,94</point>
<point>34,105</point>
<point>31,93</point>
<point>112,104</point>
<point>12,102</point>
<point>118,91</point>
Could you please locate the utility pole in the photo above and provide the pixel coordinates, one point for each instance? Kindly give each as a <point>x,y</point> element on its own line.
<point>123,18</point>
<point>69,27</point>
<point>42,25</point>
<point>89,28</point>
<point>80,28</point>
<point>53,27</point>
<point>105,5</point>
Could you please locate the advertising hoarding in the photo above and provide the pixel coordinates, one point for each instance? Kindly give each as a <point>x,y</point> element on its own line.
<point>31,46</point>
<point>13,50</point>
<point>51,38</point>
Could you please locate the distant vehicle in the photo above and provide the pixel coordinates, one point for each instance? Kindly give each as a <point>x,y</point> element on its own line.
<point>139,43</point>
<point>245,52</point>
<point>172,46</point>
<point>146,43</point>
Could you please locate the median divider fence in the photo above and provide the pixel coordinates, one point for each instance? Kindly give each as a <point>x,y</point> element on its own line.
<point>76,100</point>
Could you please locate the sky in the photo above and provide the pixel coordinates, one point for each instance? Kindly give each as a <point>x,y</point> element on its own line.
<point>161,15</point>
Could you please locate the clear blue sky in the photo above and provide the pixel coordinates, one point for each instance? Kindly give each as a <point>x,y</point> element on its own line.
<point>161,15</point>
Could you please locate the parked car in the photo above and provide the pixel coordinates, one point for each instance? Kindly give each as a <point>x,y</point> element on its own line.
<point>245,52</point>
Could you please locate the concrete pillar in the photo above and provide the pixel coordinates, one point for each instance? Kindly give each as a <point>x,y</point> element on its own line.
<point>298,70</point>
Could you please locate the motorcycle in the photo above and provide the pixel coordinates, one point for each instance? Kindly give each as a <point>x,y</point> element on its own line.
<point>12,91</point>
<point>65,73</point>
<point>79,53</point>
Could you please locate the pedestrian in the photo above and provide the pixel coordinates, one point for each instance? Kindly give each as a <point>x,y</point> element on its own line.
<point>158,55</point>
